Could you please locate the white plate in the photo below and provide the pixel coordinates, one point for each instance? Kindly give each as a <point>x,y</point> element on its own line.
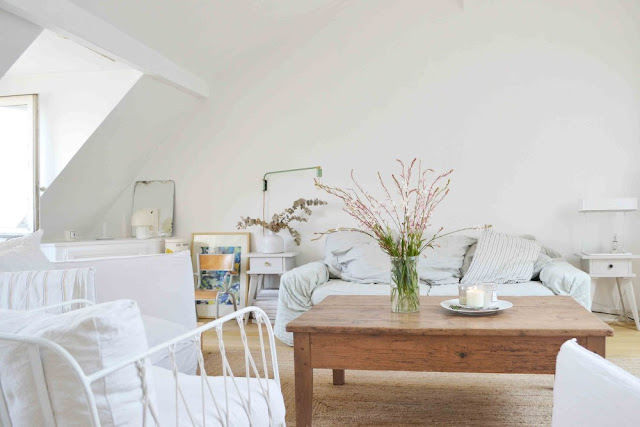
<point>496,307</point>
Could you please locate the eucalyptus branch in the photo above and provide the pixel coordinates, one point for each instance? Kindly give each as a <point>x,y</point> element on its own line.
<point>282,221</point>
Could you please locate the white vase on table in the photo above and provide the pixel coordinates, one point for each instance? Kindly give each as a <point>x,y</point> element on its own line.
<point>271,243</point>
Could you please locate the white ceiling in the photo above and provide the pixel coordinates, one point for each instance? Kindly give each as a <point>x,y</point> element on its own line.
<point>50,53</point>
<point>202,35</point>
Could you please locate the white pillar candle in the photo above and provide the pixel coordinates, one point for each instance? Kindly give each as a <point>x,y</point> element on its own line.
<point>475,298</point>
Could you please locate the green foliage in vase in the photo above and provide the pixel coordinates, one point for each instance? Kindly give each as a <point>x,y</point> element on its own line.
<point>281,221</point>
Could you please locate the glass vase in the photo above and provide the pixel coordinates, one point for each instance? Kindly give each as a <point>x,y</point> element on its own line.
<point>405,292</point>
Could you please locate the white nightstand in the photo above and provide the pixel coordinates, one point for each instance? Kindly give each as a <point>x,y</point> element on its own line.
<point>614,266</point>
<point>261,265</point>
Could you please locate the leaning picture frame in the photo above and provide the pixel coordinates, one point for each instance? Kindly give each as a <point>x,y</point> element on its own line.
<point>208,243</point>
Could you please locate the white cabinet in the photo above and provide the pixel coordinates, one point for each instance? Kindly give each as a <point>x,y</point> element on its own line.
<point>614,266</point>
<point>82,249</point>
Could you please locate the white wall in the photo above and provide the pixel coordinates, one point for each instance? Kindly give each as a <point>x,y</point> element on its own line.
<point>71,107</point>
<point>109,160</point>
<point>534,104</point>
<point>16,35</point>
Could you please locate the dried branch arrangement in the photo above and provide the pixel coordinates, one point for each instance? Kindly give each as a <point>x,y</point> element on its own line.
<point>299,211</point>
<point>399,219</point>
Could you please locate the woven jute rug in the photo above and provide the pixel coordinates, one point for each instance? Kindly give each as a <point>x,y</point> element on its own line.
<point>419,398</point>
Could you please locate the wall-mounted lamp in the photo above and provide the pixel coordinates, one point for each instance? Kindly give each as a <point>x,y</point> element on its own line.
<point>265,185</point>
<point>264,178</point>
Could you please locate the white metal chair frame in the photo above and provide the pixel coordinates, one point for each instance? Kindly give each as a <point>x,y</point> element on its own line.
<point>138,360</point>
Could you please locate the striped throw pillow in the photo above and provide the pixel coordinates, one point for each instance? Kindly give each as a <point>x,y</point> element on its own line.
<point>501,258</point>
<point>28,290</point>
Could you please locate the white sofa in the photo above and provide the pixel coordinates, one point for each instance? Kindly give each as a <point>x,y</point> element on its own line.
<point>163,287</point>
<point>358,259</point>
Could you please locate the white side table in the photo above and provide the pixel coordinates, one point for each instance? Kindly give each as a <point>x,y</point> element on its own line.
<point>613,266</point>
<point>261,265</point>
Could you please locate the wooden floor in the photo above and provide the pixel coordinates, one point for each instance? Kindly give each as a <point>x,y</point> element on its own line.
<point>624,343</point>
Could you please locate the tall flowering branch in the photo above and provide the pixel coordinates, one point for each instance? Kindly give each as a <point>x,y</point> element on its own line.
<point>400,219</point>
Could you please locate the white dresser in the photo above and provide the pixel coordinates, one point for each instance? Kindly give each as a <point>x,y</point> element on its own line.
<point>80,249</point>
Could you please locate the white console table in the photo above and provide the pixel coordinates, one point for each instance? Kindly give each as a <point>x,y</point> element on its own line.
<point>82,249</point>
<point>613,266</point>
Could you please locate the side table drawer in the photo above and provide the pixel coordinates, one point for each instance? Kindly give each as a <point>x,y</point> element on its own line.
<point>612,267</point>
<point>267,265</point>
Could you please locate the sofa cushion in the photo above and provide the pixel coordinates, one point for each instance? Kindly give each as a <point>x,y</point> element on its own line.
<point>501,258</point>
<point>468,257</point>
<point>506,290</point>
<point>342,287</point>
<point>356,257</point>
<point>19,396</point>
<point>542,261</point>
<point>23,254</point>
<point>441,264</point>
<point>159,331</point>
<point>96,337</point>
<point>191,386</point>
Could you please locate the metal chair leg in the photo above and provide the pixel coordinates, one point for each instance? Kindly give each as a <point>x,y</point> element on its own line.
<point>233,299</point>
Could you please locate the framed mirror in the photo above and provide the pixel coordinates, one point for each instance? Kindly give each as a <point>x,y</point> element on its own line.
<point>155,197</point>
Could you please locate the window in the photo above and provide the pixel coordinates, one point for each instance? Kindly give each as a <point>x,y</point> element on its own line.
<point>18,165</point>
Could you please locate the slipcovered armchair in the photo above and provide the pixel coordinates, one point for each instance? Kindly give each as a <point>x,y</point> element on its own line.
<point>91,366</point>
<point>591,391</point>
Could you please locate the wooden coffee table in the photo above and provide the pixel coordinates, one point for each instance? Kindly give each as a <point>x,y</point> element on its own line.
<point>361,332</point>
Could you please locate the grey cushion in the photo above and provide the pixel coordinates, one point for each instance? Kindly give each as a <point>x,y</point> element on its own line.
<point>441,265</point>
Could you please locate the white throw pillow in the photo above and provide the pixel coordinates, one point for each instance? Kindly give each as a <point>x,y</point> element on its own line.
<point>356,257</point>
<point>28,290</point>
<point>23,254</point>
<point>18,383</point>
<point>501,258</point>
<point>97,337</point>
<point>468,257</point>
<point>441,265</point>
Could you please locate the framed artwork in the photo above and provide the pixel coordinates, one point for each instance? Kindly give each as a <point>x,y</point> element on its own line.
<point>221,243</point>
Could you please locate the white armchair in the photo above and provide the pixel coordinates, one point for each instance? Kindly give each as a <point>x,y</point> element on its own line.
<point>167,396</point>
<point>591,391</point>
<point>162,285</point>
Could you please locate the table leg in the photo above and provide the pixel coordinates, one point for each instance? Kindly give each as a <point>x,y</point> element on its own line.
<point>624,308</point>
<point>304,378</point>
<point>632,300</point>
<point>596,345</point>
<point>253,284</point>
<point>338,377</point>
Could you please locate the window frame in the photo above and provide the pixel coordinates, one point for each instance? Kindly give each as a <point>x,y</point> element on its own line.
<point>31,100</point>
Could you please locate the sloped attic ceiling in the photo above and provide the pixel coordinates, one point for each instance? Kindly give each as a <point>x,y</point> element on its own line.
<point>111,158</point>
<point>16,35</point>
<point>203,35</point>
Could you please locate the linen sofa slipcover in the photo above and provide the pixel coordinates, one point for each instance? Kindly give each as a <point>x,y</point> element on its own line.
<point>307,285</point>
<point>162,285</point>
